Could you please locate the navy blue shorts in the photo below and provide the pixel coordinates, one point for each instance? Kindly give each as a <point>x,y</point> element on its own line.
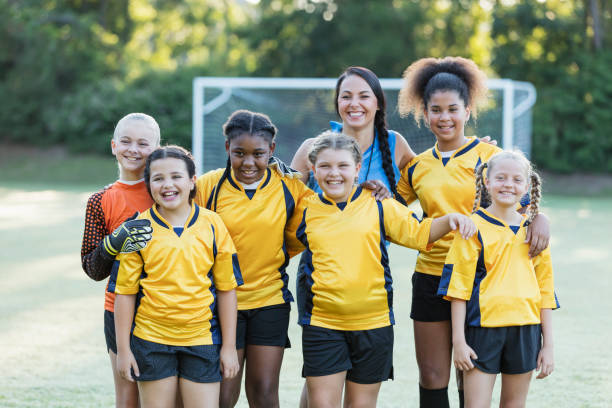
<point>157,361</point>
<point>366,355</point>
<point>263,326</point>
<point>427,306</point>
<point>109,331</point>
<point>509,350</point>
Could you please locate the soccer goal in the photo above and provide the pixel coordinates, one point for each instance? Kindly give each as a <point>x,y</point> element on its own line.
<point>302,108</point>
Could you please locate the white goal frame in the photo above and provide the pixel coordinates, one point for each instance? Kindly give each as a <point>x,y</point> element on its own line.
<point>202,107</point>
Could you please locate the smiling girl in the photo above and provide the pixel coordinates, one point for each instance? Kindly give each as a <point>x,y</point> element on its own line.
<point>178,294</point>
<point>445,92</point>
<point>347,315</point>
<point>506,324</point>
<point>255,204</point>
<point>136,135</point>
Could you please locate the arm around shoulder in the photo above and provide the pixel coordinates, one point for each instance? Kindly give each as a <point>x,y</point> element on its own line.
<point>300,160</point>
<point>403,152</point>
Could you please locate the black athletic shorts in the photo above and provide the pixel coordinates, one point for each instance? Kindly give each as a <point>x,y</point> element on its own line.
<point>157,361</point>
<point>109,331</point>
<point>509,350</point>
<point>366,355</point>
<point>427,306</point>
<point>264,326</point>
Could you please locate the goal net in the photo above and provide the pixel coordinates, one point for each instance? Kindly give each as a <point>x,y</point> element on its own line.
<point>302,108</point>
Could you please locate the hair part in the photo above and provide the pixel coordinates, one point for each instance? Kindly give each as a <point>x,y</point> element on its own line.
<point>380,120</point>
<point>336,141</point>
<point>532,178</point>
<point>243,122</point>
<point>427,76</point>
<point>146,120</point>
<point>174,152</point>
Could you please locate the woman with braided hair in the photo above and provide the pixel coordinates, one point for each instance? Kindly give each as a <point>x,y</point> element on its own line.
<point>360,103</point>
<point>445,93</point>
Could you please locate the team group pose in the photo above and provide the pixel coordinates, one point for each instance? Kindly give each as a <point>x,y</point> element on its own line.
<point>200,275</point>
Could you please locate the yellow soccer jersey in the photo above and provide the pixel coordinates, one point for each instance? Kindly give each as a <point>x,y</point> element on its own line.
<point>347,282</point>
<point>493,272</point>
<point>443,186</point>
<point>256,225</point>
<point>176,278</point>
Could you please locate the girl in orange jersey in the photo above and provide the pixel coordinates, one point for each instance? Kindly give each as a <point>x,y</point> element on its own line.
<point>136,135</point>
<point>176,299</point>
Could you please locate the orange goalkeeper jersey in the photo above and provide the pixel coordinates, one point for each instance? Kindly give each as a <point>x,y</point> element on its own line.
<point>106,210</point>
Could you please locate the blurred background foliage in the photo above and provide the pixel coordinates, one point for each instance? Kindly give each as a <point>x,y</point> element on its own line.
<point>70,68</point>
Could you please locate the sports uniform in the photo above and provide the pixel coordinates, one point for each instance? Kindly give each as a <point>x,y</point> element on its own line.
<point>345,285</point>
<point>256,220</point>
<point>504,288</point>
<point>106,210</point>
<point>175,279</point>
<point>442,186</point>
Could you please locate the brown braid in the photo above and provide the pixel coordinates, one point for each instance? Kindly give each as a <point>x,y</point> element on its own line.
<point>482,194</point>
<point>535,194</point>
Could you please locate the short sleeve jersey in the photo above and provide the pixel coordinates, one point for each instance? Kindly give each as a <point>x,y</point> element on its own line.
<point>443,186</point>
<point>106,210</point>
<point>347,282</point>
<point>493,272</point>
<point>176,277</point>
<point>256,223</point>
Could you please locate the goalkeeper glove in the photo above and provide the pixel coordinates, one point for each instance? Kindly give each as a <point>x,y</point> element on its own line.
<point>131,236</point>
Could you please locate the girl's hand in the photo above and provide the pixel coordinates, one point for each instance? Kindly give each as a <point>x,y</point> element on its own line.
<point>228,359</point>
<point>463,356</point>
<point>487,139</point>
<point>125,363</point>
<point>538,235</point>
<point>379,190</point>
<point>463,224</point>
<point>546,363</point>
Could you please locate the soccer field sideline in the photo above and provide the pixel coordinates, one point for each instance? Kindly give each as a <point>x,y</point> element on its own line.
<point>51,321</point>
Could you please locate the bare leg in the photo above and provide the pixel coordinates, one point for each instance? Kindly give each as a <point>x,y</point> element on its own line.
<point>433,344</point>
<point>514,390</point>
<point>325,391</point>
<point>199,395</point>
<point>478,388</point>
<point>360,395</point>
<point>126,392</point>
<point>230,387</point>
<point>159,393</point>
<point>263,366</point>
<point>304,397</point>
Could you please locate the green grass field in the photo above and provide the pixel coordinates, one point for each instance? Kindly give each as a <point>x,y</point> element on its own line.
<point>52,342</point>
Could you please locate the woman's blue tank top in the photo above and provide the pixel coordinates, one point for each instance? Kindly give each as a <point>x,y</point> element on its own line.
<point>371,161</point>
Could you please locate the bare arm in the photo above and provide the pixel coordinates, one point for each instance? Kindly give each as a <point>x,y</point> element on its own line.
<point>462,353</point>
<point>124,317</point>
<point>300,160</point>
<point>228,314</point>
<point>403,152</point>
<point>546,361</point>
<point>538,234</point>
<point>445,224</point>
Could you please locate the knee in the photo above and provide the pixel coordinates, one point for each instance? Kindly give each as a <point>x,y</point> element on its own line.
<point>228,397</point>
<point>433,377</point>
<point>263,393</point>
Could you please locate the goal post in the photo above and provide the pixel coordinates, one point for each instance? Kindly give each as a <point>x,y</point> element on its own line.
<point>302,108</point>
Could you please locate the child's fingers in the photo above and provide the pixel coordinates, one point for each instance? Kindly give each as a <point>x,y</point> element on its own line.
<point>135,368</point>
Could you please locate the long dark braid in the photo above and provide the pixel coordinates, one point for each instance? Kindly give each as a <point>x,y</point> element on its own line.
<point>380,121</point>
